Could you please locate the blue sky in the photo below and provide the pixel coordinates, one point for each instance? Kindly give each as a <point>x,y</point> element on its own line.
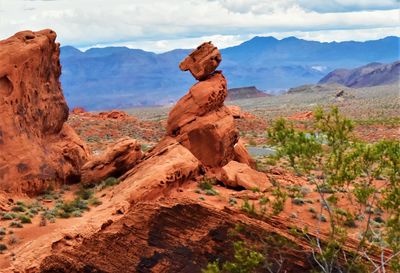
<point>161,25</point>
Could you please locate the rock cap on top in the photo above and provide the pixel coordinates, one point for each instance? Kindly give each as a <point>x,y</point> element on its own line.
<point>202,62</point>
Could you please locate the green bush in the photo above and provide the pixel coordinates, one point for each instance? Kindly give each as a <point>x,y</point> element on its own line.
<point>246,260</point>
<point>345,165</point>
<point>9,216</point>
<point>84,193</point>
<point>16,224</point>
<point>109,182</point>
<point>25,219</point>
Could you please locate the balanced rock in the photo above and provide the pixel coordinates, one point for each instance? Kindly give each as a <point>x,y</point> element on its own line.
<point>114,162</point>
<point>37,148</point>
<point>235,174</point>
<point>200,121</point>
<point>202,62</point>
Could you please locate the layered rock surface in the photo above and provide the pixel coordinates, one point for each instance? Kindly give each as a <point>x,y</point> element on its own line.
<point>37,148</point>
<point>141,226</point>
<point>114,162</point>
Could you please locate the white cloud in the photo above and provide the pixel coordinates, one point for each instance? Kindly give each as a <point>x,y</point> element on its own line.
<point>223,41</point>
<point>161,24</point>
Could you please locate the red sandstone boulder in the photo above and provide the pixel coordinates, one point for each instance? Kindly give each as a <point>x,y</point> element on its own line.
<point>114,162</point>
<point>202,62</point>
<point>37,148</point>
<point>242,155</point>
<point>201,122</point>
<point>235,174</point>
<point>235,111</point>
<point>78,111</point>
<point>166,167</point>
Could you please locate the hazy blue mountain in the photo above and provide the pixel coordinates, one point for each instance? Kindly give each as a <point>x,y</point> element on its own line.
<point>118,77</point>
<point>372,74</point>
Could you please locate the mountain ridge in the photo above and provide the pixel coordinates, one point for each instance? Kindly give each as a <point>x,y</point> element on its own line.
<point>119,77</point>
<point>372,74</point>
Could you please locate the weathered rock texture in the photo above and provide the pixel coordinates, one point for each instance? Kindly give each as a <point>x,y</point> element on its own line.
<point>37,148</point>
<point>114,162</point>
<point>235,174</point>
<point>202,62</point>
<point>172,237</point>
<point>200,121</point>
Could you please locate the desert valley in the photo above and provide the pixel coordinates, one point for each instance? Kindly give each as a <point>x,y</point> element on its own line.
<point>220,180</point>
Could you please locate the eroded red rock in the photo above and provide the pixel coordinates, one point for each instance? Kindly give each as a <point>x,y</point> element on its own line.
<point>202,123</point>
<point>302,116</point>
<point>235,174</point>
<point>114,162</point>
<point>114,114</point>
<point>237,113</point>
<point>37,149</point>
<point>202,62</point>
<point>242,155</point>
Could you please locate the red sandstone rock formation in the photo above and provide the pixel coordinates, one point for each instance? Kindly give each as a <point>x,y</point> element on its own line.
<point>148,223</point>
<point>114,162</point>
<point>202,62</point>
<point>242,155</point>
<point>199,120</point>
<point>172,236</point>
<point>237,113</point>
<point>114,114</point>
<point>235,174</point>
<point>37,148</point>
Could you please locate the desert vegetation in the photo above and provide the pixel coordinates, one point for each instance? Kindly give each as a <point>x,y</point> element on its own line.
<point>358,191</point>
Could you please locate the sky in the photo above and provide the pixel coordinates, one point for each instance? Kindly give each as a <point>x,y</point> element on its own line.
<point>163,25</point>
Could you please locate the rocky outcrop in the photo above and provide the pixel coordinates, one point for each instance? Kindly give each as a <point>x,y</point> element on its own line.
<point>114,162</point>
<point>237,113</point>
<point>242,155</point>
<point>175,236</point>
<point>235,174</point>
<point>200,121</point>
<point>202,62</point>
<point>114,114</point>
<point>38,149</point>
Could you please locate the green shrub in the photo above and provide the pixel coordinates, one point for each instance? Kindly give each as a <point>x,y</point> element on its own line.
<point>211,192</point>
<point>246,260</point>
<point>15,224</point>
<point>25,219</point>
<point>18,209</point>
<point>9,216</point>
<point>279,202</point>
<point>84,193</point>
<point>205,184</point>
<point>248,208</point>
<point>109,182</point>
<point>95,202</point>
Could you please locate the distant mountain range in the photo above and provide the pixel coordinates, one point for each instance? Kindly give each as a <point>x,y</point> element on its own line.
<point>118,77</point>
<point>368,75</point>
